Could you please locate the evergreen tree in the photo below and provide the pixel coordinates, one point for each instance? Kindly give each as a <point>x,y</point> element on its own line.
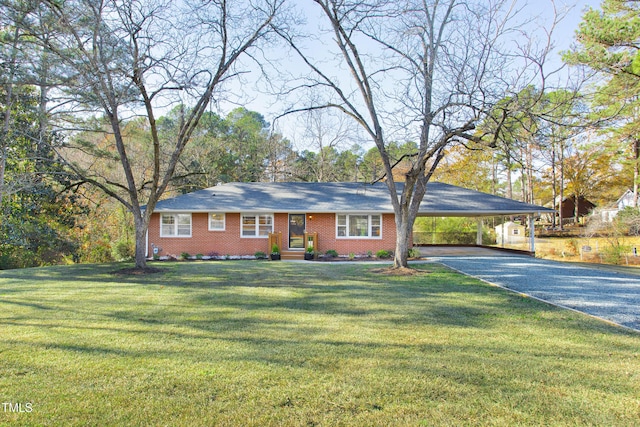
<point>609,44</point>
<point>38,212</point>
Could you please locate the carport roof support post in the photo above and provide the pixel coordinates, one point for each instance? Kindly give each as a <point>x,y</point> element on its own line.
<point>532,235</point>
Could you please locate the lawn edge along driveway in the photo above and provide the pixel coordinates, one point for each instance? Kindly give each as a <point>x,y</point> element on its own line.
<point>609,295</point>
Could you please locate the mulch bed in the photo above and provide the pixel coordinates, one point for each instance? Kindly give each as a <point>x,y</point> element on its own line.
<point>391,271</point>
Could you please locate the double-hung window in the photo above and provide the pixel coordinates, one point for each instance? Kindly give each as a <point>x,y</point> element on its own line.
<point>175,225</point>
<point>254,225</point>
<point>358,226</point>
<point>216,221</point>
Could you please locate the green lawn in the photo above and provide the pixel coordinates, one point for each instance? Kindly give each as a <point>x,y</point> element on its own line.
<point>268,343</point>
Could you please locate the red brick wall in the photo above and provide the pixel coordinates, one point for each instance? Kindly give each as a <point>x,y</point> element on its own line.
<point>229,242</point>
<point>203,241</point>
<point>325,225</point>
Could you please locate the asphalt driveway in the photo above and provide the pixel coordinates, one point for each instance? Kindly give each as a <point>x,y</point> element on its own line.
<point>604,293</point>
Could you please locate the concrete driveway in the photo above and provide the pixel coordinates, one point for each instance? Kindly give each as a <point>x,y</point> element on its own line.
<point>605,293</point>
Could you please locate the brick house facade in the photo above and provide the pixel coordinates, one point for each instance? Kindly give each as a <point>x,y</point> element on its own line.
<point>229,241</point>
<point>237,218</point>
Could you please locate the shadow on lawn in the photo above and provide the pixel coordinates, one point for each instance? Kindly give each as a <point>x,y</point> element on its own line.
<point>345,289</point>
<point>252,296</point>
<point>215,300</point>
<point>283,315</point>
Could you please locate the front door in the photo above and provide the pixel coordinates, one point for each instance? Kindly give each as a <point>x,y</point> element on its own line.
<point>296,231</point>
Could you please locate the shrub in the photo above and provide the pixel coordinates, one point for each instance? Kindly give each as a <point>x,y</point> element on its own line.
<point>571,247</point>
<point>199,256</point>
<point>99,251</point>
<point>260,255</point>
<point>332,253</point>
<point>123,251</point>
<point>382,253</point>
<point>615,253</point>
<point>185,256</point>
<point>414,253</point>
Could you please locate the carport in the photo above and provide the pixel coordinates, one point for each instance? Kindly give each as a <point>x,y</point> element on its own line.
<point>444,200</point>
<point>434,251</point>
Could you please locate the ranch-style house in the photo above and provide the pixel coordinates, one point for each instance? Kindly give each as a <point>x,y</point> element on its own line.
<point>245,218</point>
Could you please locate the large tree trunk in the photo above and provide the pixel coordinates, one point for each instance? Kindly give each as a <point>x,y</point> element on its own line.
<point>403,236</point>
<point>407,207</point>
<point>141,227</point>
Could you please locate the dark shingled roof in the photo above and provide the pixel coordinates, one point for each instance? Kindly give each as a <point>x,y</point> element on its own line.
<point>440,200</point>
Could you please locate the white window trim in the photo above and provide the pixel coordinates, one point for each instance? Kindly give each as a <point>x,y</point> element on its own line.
<point>175,228</point>
<point>224,221</point>
<point>368,236</point>
<point>257,215</point>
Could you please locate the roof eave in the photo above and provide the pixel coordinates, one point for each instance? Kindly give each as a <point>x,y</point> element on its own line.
<point>483,213</point>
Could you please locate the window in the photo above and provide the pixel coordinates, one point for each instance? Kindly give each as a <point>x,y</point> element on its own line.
<point>257,225</point>
<point>216,222</point>
<point>363,226</point>
<point>376,226</point>
<point>175,225</point>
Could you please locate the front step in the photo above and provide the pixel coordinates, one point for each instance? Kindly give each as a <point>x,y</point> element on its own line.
<point>290,255</point>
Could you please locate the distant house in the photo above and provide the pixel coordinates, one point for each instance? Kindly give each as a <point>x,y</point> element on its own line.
<point>568,208</point>
<point>510,233</point>
<point>240,218</point>
<point>626,200</point>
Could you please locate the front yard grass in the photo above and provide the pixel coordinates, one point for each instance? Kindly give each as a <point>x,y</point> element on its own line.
<point>292,344</point>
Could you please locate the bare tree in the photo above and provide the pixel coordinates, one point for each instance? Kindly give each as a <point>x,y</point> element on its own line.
<point>124,59</point>
<point>427,71</point>
<point>328,134</point>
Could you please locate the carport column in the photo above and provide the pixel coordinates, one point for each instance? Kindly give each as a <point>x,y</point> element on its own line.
<point>479,233</point>
<point>532,234</point>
